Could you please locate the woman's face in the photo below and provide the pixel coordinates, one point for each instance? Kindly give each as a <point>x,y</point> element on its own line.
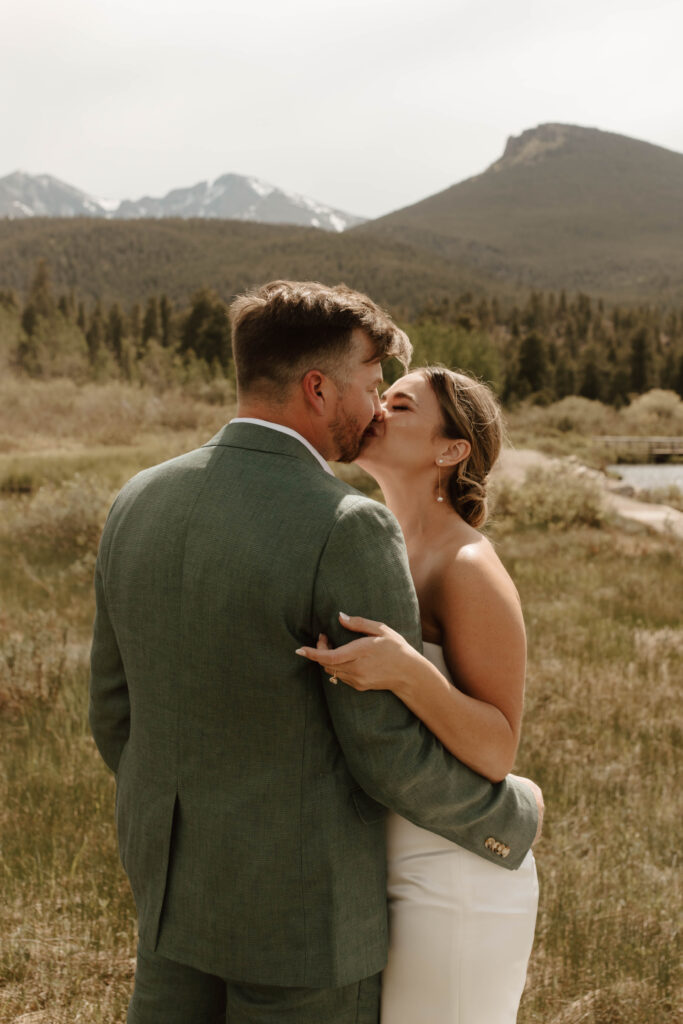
<point>408,431</point>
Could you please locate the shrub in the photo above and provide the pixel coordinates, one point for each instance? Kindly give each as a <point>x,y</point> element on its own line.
<point>34,656</point>
<point>17,483</point>
<point>581,415</point>
<point>550,498</point>
<point>655,412</point>
<point>64,519</point>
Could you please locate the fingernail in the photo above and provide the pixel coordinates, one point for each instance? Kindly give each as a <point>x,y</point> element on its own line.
<point>344,617</point>
<point>300,651</point>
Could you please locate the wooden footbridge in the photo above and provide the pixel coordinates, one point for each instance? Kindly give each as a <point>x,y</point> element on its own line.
<point>654,449</point>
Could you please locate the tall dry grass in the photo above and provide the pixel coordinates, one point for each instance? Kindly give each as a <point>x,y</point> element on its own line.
<point>602,734</point>
<point>42,415</point>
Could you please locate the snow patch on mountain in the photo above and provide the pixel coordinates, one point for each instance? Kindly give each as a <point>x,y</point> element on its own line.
<point>260,187</point>
<point>230,197</point>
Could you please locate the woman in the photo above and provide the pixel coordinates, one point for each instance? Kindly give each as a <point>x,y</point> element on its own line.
<point>461,928</point>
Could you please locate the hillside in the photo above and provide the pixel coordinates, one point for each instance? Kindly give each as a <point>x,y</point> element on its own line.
<point>563,207</point>
<point>127,261</point>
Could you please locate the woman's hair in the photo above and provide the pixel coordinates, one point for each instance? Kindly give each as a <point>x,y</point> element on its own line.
<point>469,410</point>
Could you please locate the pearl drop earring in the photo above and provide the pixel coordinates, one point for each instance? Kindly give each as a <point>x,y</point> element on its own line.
<point>439,496</point>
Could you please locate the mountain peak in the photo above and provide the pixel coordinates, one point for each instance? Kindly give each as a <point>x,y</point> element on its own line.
<point>564,206</point>
<point>533,145</point>
<point>229,197</point>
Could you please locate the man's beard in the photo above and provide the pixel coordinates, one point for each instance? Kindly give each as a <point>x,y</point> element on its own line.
<point>348,436</point>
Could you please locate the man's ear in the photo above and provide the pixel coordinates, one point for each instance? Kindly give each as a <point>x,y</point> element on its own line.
<point>457,451</point>
<point>316,390</point>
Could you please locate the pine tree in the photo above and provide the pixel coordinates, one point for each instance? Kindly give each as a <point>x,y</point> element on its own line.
<point>206,330</point>
<point>150,323</point>
<point>135,321</point>
<point>95,334</point>
<point>166,318</point>
<point>678,388</point>
<point>618,386</point>
<point>583,316</point>
<point>29,319</point>
<point>641,361</point>
<point>40,303</point>
<point>591,375</point>
<point>40,291</point>
<point>565,377</point>
<point>116,329</point>
<point>533,364</point>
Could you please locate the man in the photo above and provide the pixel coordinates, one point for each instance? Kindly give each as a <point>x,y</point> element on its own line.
<point>250,792</point>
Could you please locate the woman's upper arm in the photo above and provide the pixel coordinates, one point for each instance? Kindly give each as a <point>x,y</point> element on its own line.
<point>483,631</point>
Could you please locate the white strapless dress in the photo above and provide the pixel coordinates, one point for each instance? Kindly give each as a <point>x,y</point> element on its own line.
<point>460,927</point>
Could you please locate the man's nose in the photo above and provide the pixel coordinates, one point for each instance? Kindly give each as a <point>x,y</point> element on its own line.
<point>378,408</point>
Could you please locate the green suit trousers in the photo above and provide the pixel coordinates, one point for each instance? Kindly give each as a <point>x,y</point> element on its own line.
<point>167,992</point>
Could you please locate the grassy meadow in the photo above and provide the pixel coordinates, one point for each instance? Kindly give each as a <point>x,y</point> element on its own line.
<point>602,728</point>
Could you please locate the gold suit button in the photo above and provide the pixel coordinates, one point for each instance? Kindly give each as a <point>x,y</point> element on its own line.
<point>500,849</point>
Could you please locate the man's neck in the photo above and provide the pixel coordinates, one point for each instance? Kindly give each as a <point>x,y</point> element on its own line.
<point>283,416</point>
<point>272,414</point>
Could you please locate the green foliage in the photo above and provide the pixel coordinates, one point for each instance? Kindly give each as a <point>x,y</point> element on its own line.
<point>457,347</point>
<point>546,347</point>
<point>533,365</point>
<point>128,261</point>
<point>55,348</point>
<point>206,329</point>
<point>641,361</point>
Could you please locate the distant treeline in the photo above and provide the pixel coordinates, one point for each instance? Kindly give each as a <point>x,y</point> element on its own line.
<point>547,347</point>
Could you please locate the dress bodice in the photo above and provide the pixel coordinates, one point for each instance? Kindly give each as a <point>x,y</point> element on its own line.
<point>434,653</point>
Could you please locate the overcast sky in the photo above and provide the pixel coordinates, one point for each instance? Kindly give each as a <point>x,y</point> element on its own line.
<point>367,105</point>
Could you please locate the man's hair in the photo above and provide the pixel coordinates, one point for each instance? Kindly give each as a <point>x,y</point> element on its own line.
<point>283,329</point>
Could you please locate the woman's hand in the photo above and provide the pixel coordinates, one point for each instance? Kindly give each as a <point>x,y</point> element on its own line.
<point>381,660</point>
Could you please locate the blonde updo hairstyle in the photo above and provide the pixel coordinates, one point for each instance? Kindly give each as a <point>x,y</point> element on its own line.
<point>469,411</point>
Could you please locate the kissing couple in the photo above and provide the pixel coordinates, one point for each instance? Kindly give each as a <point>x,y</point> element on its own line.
<point>298,689</point>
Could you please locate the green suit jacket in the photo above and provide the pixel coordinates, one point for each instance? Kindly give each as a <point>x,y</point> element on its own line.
<point>251,792</point>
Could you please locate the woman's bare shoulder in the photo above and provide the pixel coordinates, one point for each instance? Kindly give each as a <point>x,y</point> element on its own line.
<point>471,567</point>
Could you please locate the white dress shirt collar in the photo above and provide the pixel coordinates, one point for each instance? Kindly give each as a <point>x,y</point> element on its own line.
<point>286,430</point>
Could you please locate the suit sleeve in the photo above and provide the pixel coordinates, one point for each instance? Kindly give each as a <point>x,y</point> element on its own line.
<point>109,710</point>
<point>364,570</point>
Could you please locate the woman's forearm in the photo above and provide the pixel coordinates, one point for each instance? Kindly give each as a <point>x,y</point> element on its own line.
<point>475,732</point>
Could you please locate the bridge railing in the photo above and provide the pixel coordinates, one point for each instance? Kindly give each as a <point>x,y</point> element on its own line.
<point>651,446</point>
